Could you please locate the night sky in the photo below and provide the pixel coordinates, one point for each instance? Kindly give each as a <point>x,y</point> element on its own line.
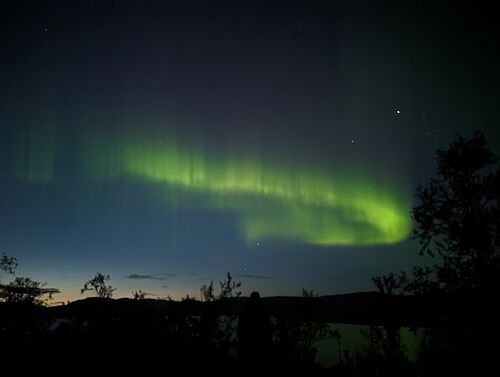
<point>166,143</point>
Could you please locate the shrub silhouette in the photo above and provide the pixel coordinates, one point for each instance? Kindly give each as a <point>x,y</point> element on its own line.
<point>383,354</point>
<point>139,294</point>
<point>295,339</point>
<point>228,289</point>
<point>217,332</point>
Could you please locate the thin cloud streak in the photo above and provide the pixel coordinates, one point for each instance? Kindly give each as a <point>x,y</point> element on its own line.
<point>146,277</point>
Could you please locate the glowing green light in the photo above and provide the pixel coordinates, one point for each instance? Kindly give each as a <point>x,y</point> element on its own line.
<point>273,199</point>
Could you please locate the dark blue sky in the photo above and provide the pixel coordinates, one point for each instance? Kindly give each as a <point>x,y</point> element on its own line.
<point>167,143</point>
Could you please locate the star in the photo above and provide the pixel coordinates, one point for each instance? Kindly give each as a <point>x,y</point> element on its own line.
<point>45,30</point>
<point>258,244</point>
<point>353,141</point>
<point>398,112</point>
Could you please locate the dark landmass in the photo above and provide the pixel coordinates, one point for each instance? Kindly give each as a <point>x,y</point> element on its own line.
<point>130,337</point>
<point>363,308</point>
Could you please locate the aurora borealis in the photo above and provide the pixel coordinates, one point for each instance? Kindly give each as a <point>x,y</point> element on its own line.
<point>289,201</point>
<point>279,140</point>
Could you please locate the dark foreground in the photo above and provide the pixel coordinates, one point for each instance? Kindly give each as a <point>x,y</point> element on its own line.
<point>99,337</point>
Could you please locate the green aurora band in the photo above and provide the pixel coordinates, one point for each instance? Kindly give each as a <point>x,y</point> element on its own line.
<point>272,199</point>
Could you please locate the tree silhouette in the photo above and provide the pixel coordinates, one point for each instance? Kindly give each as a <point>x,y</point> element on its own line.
<point>458,222</point>
<point>8,264</point>
<point>389,284</point>
<point>98,285</point>
<point>27,290</point>
<point>459,217</point>
<point>23,289</point>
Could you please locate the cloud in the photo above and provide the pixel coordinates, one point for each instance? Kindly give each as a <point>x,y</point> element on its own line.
<point>147,277</point>
<point>4,289</point>
<point>50,290</point>
<point>251,276</point>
